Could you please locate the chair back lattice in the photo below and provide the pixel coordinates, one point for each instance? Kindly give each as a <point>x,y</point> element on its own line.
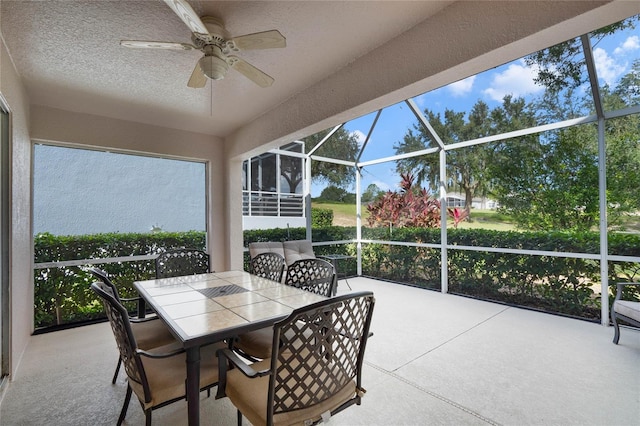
<point>268,265</point>
<point>174,263</point>
<point>121,327</point>
<point>318,350</point>
<point>102,276</point>
<point>314,275</point>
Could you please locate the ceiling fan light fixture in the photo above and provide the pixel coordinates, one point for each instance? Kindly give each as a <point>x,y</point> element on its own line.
<point>213,67</point>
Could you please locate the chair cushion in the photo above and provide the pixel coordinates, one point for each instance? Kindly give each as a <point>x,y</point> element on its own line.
<point>628,309</point>
<point>151,334</point>
<point>250,397</point>
<point>256,343</point>
<point>296,250</point>
<point>167,376</point>
<point>266,247</point>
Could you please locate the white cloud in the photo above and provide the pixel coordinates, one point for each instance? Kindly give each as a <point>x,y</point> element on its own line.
<point>606,67</point>
<point>462,87</point>
<point>359,136</point>
<point>631,43</point>
<point>421,100</point>
<point>516,80</point>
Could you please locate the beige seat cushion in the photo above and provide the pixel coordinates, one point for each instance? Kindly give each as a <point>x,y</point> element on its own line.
<point>266,247</point>
<point>167,376</point>
<point>628,309</point>
<point>296,250</point>
<point>152,333</point>
<point>256,343</point>
<point>250,397</point>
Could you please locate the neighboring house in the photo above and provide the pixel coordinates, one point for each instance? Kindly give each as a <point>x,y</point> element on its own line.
<point>455,199</point>
<point>272,189</point>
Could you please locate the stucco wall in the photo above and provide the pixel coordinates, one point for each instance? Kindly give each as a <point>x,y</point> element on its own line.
<point>21,272</point>
<point>86,191</point>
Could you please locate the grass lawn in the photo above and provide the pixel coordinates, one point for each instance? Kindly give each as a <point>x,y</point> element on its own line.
<point>345,215</point>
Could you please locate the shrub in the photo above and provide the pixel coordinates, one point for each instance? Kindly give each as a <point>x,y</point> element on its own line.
<point>321,217</point>
<point>62,294</point>
<point>408,207</point>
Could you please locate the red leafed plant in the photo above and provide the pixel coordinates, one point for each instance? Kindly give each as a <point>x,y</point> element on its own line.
<point>409,207</point>
<point>458,215</point>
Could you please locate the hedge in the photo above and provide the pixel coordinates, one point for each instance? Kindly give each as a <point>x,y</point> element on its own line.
<point>62,295</point>
<point>563,285</point>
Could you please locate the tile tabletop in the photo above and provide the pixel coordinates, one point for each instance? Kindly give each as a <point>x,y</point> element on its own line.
<point>219,303</point>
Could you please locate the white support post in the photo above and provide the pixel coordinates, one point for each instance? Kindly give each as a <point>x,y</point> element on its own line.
<point>307,195</point>
<point>602,179</point>
<point>359,221</point>
<point>444,274</point>
<point>604,240</point>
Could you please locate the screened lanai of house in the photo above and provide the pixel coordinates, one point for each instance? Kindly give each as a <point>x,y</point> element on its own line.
<point>523,179</point>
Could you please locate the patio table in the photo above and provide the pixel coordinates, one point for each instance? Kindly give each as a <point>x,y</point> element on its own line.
<point>207,308</point>
<point>333,258</point>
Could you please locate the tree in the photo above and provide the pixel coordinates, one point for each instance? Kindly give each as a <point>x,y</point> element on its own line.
<point>466,167</point>
<point>342,145</point>
<point>628,90</point>
<point>333,193</point>
<point>549,183</point>
<point>561,66</point>
<point>371,193</point>
<point>622,141</point>
<point>552,182</point>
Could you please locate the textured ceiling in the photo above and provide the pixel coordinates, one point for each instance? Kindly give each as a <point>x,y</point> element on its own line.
<point>68,54</point>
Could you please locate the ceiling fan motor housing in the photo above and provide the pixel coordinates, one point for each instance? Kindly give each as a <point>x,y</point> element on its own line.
<point>212,64</point>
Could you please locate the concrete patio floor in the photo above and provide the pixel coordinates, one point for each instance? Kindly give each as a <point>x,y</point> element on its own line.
<point>434,359</point>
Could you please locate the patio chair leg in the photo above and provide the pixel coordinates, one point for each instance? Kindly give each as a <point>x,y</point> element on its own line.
<point>239,418</point>
<point>115,375</point>
<point>147,415</point>
<point>125,405</point>
<point>616,335</point>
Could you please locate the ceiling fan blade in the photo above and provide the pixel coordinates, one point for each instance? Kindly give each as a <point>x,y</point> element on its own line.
<point>249,71</point>
<point>197,79</point>
<point>264,40</point>
<point>140,44</point>
<point>188,16</point>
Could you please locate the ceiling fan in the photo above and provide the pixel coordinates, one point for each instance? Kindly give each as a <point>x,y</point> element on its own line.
<point>210,37</point>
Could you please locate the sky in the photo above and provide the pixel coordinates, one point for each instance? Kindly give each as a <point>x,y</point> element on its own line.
<point>613,56</point>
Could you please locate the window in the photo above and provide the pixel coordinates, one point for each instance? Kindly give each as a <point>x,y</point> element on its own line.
<point>101,192</point>
<point>109,210</point>
<point>276,185</point>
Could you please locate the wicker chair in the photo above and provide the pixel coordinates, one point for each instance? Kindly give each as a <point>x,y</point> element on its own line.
<point>158,376</point>
<point>624,310</point>
<point>174,263</point>
<point>314,275</point>
<point>268,265</point>
<point>314,370</point>
<point>150,332</point>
